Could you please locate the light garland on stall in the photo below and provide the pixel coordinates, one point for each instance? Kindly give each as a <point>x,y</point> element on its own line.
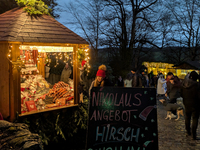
<point>9,55</point>
<point>60,53</point>
<point>83,54</point>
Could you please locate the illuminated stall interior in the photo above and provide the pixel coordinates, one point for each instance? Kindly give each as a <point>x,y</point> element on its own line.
<point>186,67</point>
<point>41,77</point>
<point>159,67</point>
<point>46,77</point>
<point>179,70</point>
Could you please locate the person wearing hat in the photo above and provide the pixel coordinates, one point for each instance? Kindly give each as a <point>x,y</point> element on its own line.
<point>100,76</point>
<point>190,94</point>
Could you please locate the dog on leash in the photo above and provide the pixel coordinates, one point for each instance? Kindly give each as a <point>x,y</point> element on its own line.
<point>169,107</point>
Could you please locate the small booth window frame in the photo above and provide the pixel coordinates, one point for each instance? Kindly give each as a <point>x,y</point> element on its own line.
<point>14,77</point>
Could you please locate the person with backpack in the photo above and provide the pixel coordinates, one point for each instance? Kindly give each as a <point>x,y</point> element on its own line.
<point>136,78</point>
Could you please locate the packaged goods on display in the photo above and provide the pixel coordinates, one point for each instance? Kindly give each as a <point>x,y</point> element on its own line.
<point>36,92</point>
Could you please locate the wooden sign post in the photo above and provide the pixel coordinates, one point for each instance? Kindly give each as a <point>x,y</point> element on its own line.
<point>122,119</point>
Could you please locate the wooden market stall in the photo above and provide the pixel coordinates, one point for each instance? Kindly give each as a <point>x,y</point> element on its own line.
<point>183,68</point>
<point>159,67</point>
<point>29,48</point>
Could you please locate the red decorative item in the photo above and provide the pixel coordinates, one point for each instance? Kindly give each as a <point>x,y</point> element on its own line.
<point>31,106</point>
<point>83,63</point>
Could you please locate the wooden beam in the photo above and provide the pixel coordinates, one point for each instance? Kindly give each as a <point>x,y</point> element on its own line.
<point>15,80</point>
<point>75,74</point>
<point>4,81</point>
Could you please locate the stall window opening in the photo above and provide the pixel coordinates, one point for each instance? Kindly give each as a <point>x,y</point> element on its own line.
<point>46,77</point>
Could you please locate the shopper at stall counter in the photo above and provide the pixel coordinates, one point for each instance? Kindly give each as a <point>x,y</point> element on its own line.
<point>66,72</point>
<point>100,80</point>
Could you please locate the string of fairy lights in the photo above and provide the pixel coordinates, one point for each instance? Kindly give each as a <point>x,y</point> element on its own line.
<point>9,55</point>
<point>59,56</point>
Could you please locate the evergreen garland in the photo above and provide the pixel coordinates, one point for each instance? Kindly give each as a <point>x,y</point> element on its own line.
<point>67,127</point>
<point>34,7</point>
<point>81,55</point>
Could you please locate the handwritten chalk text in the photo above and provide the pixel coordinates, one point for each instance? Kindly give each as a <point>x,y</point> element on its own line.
<point>112,115</point>
<point>110,133</point>
<point>109,99</point>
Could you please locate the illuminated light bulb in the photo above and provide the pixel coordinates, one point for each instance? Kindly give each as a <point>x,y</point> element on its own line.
<point>55,66</point>
<point>10,50</point>
<point>57,63</point>
<point>47,60</point>
<point>9,55</point>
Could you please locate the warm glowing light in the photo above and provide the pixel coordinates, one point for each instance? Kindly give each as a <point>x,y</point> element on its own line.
<point>47,48</point>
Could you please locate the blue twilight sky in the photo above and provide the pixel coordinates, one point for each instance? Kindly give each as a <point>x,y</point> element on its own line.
<point>65,17</point>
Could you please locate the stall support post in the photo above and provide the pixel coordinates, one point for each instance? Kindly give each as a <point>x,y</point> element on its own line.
<point>76,74</point>
<point>4,80</point>
<point>15,101</point>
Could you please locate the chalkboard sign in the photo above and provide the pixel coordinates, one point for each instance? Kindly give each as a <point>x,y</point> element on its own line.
<point>122,119</point>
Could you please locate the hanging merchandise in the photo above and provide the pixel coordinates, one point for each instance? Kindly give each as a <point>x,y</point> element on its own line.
<point>47,88</point>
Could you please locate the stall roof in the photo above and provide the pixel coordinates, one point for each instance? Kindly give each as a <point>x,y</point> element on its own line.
<point>17,26</point>
<point>188,65</point>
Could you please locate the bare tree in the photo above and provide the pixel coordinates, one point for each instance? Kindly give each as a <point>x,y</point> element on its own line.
<point>125,27</point>
<point>186,21</point>
<point>87,17</point>
<point>130,25</point>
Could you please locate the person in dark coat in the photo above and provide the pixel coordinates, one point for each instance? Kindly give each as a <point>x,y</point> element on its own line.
<point>136,78</point>
<point>169,76</point>
<point>151,79</point>
<point>174,91</point>
<point>120,82</point>
<point>190,93</point>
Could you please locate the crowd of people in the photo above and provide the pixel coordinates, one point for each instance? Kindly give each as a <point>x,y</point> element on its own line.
<point>169,88</point>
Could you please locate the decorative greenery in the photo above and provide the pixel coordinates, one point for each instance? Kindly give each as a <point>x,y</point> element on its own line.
<point>60,127</point>
<point>34,7</point>
<point>81,55</point>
